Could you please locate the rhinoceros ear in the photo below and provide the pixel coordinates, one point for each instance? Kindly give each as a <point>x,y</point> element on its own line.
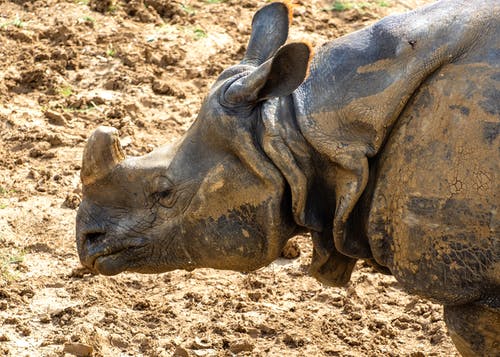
<point>269,32</point>
<point>277,77</point>
<point>288,70</point>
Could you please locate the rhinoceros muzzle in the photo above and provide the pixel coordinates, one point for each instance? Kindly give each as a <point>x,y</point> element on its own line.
<point>106,255</point>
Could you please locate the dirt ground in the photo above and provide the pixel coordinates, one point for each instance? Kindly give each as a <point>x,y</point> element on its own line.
<point>143,66</point>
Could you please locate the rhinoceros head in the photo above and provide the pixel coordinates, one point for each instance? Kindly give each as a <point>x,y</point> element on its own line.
<point>215,199</point>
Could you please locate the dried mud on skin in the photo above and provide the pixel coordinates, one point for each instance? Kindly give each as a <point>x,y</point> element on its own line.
<point>143,67</point>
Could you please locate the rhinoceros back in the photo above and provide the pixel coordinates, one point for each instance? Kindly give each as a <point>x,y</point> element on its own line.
<point>434,210</point>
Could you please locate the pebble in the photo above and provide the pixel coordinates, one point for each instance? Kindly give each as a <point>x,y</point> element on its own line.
<point>72,201</point>
<point>202,353</point>
<point>199,344</point>
<point>241,346</point>
<point>78,349</point>
<point>181,352</point>
<point>291,250</point>
<point>118,341</point>
<point>253,332</point>
<point>55,118</point>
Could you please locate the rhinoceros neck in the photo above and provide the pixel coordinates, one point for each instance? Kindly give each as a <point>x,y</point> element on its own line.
<point>360,83</point>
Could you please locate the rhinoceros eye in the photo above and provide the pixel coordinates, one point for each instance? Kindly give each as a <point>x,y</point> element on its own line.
<point>166,198</point>
<point>163,191</point>
<point>165,194</point>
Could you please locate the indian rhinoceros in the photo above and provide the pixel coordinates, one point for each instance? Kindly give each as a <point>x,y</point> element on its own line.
<point>384,145</point>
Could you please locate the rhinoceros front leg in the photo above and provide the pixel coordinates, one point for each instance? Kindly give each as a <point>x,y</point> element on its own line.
<point>475,328</point>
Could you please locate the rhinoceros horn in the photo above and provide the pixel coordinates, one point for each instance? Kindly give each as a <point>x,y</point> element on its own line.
<point>101,154</point>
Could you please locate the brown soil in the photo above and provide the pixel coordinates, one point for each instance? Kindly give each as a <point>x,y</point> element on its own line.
<point>143,66</point>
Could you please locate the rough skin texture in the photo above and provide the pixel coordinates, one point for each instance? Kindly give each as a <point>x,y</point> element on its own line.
<point>388,151</point>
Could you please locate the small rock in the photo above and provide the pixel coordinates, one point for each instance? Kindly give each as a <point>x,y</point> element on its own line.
<point>72,201</point>
<point>241,346</point>
<point>266,330</point>
<point>255,295</point>
<point>45,318</point>
<point>335,352</point>
<point>24,330</point>
<point>97,100</point>
<point>49,155</point>
<point>140,338</point>
<point>199,344</point>
<point>80,272</point>
<point>437,338</point>
<point>291,250</point>
<point>203,353</point>
<point>19,35</point>
<point>101,6</point>
<point>78,349</point>
<point>40,149</point>
<point>54,140</point>
<point>162,87</point>
<point>118,341</point>
<point>417,354</point>
<point>12,321</point>
<point>355,316</point>
<point>253,332</point>
<point>131,108</point>
<point>40,188</point>
<point>181,352</point>
<point>141,305</point>
<point>171,59</point>
<point>55,118</point>
<point>35,153</point>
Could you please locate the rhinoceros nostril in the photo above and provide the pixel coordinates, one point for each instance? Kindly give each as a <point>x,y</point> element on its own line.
<point>94,237</point>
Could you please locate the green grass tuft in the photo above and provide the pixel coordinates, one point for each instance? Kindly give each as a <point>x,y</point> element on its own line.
<point>187,9</point>
<point>17,22</point>
<point>66,91</point>
<point>111,52</point>
<point>7,261</point>
<point>199,33</point>
<point>88,19</point>
<point>384,4</point>
<point>341,6</point>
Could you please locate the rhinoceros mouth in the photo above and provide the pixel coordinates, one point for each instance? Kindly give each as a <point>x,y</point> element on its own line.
<point>116,261</point>
<point>108,259</point>
<point>110,264</point>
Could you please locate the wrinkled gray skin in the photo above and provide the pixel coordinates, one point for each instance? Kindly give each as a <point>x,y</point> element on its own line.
<point>387,151</point>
